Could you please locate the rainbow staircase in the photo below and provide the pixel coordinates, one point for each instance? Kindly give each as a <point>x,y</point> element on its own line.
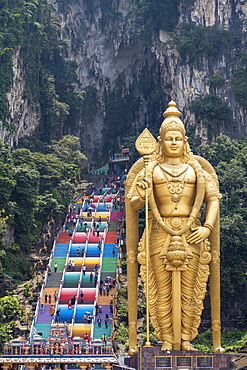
<point>81,276</point>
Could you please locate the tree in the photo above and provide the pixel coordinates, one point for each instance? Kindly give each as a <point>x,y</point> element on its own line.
<point>213,113</point>
<point>27,185</point>
<point>54,112</point>
<point>68,150</point>
<point>9,308</point>
<point>222,150</point>
<point>50,171</point>
<point>25,195</point>
<point>6,333</point>
<point>7,181</point>
<point>46,203</point>
<point>152,16</point>
<point>23,156</point>
<point>229,158</point>
<point>7,184</point>
<point>239,82</point>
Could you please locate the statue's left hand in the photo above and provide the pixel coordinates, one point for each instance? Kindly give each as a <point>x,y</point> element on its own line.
<point>198,235</point>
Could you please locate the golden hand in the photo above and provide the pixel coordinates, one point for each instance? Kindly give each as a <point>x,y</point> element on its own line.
<point>199,234</point>
<point>142,186</point>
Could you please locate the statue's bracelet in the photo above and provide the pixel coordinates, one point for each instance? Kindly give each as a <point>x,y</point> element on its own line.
<point>208,225</point>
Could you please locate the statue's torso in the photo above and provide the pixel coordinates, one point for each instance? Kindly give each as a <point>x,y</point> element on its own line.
<point>174,189</point>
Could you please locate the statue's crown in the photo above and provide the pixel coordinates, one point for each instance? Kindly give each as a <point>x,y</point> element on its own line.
<point>172,122</point>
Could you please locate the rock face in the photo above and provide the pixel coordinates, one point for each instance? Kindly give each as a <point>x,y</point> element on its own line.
<point>210,13</point>
<point>121,72</point>
<point>24,116</point>
<point>101,41</point>
<point>105,53</point>
<point>6,284</point>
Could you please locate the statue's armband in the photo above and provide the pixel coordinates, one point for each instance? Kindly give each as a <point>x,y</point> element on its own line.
<point>212,190</point>
<point>137,202</point>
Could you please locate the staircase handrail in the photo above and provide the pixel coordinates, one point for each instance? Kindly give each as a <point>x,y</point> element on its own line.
<point>53,249</point>
<point>74,313</point>
<point>67,257</point>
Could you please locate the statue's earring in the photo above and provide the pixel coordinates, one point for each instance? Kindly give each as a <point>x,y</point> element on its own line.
<point>159,149</point>
<point>159,143</point>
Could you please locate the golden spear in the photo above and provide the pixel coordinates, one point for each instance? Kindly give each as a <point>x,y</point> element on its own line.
<point>146,145</point>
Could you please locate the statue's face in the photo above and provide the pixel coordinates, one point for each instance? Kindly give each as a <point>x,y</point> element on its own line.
<point>173,144</point>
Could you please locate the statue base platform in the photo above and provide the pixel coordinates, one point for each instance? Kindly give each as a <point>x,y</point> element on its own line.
<point>152,358</point>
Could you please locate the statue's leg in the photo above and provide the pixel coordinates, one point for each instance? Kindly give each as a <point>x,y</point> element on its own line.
<point>194,284</point>
<point>188,279</point>
<point>163,311</point>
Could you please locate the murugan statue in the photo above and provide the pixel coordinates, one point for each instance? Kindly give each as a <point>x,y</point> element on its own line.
<point>182,251</point>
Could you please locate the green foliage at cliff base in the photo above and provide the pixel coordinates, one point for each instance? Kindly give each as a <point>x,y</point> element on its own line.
<point>229,158</point>
<point>232,341</point>
<point>17,266</point>
<point>34,187</point>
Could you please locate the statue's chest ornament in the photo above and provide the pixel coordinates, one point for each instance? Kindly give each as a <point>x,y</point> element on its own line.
<point>176,178</point>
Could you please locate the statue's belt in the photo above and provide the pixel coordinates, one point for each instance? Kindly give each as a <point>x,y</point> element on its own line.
<point>174,223</point>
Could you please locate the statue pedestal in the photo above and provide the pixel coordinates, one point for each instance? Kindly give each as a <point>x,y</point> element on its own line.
<point>152,358</point>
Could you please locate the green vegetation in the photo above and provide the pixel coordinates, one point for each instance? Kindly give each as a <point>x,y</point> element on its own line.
<point>33,32</point>
<point>105,9</point>
<point>212,112</point>
<point>149,83</point>
<point>153,15</point>
<point>34,185</point>
<point>39,178</point>
<point>216,82</point>
<point>121,111</point>
<point>122,317</point>
<point>232,341</point>
<point>10,310</point>
<point>239,82</point>
<point>129,142</point>
<point>6,333</point>
<point>6,76</point>
<point>16,264</point>
<point>229,157</point>
<point>195,42</point>
<point>89,104</point>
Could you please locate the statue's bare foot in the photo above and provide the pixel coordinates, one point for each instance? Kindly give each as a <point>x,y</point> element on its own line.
<point>166,346</point>
<point>219,350</point>
<point>187,346</point>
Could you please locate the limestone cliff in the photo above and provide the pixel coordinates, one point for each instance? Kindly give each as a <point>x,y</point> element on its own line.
<point>104,53</point>
<point>24,116</point>
<point>129,84</point>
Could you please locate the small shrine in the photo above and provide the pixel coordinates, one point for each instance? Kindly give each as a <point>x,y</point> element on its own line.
<point>119,162</point>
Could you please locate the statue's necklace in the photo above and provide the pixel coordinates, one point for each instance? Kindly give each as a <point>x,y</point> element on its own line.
<point>174,171</point>
<point>176,186</point>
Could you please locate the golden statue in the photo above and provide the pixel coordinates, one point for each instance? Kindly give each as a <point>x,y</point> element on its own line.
<point>176,252</point>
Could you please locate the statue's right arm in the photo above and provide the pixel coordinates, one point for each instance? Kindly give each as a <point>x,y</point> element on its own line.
<point>137,200</point>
